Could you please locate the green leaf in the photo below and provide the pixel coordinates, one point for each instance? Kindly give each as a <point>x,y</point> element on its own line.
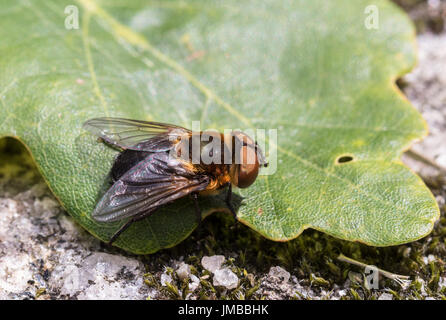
<point>310,69</point>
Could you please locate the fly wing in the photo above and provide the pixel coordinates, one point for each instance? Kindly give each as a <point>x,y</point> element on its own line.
<point>151,183</point>
<point>135,134</point>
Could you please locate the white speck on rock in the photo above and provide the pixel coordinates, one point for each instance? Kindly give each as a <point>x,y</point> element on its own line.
<point>212,263</point>
<point>225,278</point>
<point>441,160</point>
<point>195,283</point>
<point>165,278</point>
<point>14,274</point>
<point>342,293</point>
<point>431,258</point>
<point>183,271</point>
<point>385,296</point>
<point>423,285</point>
<point>442,283</point>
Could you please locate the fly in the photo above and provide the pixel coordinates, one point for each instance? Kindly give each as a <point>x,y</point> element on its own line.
<point>157,165</point>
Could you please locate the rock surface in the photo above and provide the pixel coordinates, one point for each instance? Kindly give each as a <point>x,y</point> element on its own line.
<point>426,90</point>
<point>44,254</point>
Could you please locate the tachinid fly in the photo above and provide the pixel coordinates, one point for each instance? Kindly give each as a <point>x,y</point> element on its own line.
<point>158,165</point>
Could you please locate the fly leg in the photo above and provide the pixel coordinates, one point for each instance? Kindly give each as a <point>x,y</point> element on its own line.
<point>228,201</point>
<point>197,208</point>
<point>128,224</point>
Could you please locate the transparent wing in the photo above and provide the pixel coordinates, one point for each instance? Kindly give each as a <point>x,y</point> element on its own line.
<point>151,183</point>
<point>135,134</point>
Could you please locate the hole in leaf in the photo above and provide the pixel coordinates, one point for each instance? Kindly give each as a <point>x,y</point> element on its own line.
<point>401,84</point>
<point>344,159</point>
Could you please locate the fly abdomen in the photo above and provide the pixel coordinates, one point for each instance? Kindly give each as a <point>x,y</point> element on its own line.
<point>126,160</point>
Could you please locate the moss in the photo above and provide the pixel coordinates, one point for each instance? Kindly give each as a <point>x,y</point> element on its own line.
<point>40,292</point>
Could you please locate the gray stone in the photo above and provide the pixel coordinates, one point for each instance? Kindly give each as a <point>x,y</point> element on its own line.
<point>212,263</point>
<point>225,278</point>
<point>279,274</point>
